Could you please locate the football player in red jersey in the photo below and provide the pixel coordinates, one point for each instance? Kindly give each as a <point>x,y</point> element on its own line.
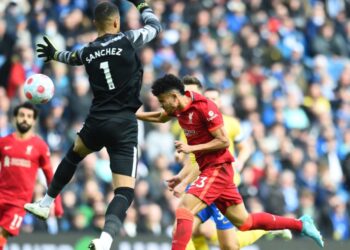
<point>208,141</point>
<point>21,155</point>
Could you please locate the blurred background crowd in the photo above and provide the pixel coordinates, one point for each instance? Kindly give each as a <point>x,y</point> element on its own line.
<point>282,68</point>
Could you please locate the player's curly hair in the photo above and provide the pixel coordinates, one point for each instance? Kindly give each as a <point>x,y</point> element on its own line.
<point>167,83</point>
<point>26,105</point>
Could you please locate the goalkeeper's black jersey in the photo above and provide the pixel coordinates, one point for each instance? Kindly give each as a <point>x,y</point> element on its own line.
<point>114,68</point>
<point>115,74</point>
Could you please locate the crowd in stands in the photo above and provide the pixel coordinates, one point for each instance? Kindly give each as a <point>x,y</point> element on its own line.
<point>282,67</point>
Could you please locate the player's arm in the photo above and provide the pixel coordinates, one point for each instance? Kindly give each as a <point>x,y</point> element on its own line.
<point>48,51</point>
<point>189,171</point>
<point>242,146</point>
<point>243,153</point>
<point>151,28</point>
<point>220,141</point>
<point>154,116</point>
<point>187,175</point>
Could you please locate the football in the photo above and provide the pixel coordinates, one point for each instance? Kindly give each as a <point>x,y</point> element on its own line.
<point>38,88</point>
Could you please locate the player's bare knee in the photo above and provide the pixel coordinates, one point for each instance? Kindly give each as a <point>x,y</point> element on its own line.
<point>185,205</point>
<point>238,223</point>
<point>196,232</point>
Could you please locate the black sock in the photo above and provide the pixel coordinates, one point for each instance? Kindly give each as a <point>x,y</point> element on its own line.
<point>116,210</point>
<point>64,172</point>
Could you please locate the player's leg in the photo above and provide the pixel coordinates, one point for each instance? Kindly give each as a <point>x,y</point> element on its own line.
<point>84,144</point>
<point>228,239</point>
<point>198,240</point>
<point>67,167</point>
<point>227,234</point>
<point>239,216</point>
<point>248,238</point>
<point>189,206</point>
<point>207,235</point>
<point>11,218</point>
<point>196,223</point>
<point>205,190</point>
<point>116,211</point>
<point>3,238</point>
<point>224,230</point>
<point>121,145</point>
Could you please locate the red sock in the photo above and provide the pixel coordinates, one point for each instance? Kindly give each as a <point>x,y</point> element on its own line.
<point>182,235</point>
<point>270,222</point>
<point>3,241</point>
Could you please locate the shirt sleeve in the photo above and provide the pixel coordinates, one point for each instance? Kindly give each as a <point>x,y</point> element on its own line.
<point>72,58</point>
<point>44,160</point>
<point>212,116</point>
<point>45,163</point>
<point>140,37</point>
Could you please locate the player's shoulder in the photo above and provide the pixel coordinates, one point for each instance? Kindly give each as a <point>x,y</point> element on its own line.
<point>199,101</point>
<point>6,138</point>
<point>196,97</point>
<point>106,40</point>
<point>37,139</point>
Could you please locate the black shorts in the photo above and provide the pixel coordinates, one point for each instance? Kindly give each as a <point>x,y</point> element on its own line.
<point>118,135</point>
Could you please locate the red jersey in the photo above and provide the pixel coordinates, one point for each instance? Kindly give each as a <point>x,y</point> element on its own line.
<point>198,119</point>
<point>19,163</point>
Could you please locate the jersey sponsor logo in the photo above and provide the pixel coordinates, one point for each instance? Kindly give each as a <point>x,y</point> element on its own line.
<point>18,162</point>
<point>7,147</point>
<point>104,52</point>
<point>212,115</point>
<point>189,133</point>
<point>112,40</point>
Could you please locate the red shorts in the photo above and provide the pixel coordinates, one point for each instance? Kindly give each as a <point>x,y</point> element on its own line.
<point>215,185</point>
<point>11,217</point>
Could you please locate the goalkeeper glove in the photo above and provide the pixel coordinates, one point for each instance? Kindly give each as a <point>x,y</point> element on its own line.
<point>140,4</point>
<point>46,50</point>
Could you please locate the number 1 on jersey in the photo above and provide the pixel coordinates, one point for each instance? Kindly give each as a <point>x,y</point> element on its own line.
<point>108,76</point>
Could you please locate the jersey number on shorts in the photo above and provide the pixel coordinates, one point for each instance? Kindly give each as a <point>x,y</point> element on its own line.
<point>108,76</point>
<point>16,222</point>
<point>200,181</point>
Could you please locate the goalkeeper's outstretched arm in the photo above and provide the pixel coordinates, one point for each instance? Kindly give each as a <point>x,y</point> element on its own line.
<point>48,51</point>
